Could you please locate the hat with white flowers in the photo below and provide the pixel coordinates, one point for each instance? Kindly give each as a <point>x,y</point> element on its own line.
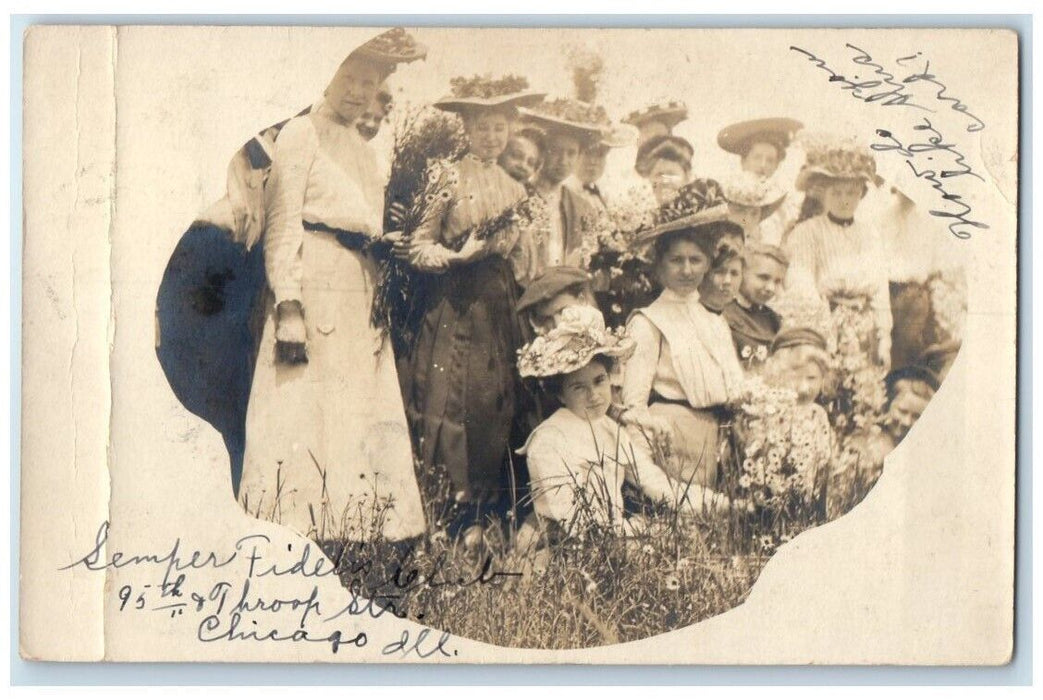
<point>745,189</point>
<point>579,337</point>
<point>835,158</point>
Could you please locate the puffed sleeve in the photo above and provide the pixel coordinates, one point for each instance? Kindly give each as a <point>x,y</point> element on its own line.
<point>429,254</point>
<point>640,369</point>
<point>287,185</point>
<point>552,484</point>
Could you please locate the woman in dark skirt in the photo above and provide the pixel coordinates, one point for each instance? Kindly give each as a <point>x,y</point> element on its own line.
<point>460,389</point>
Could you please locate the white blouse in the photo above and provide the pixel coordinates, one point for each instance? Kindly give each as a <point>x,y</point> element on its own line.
<point>577,469</point>
<point>825,256</point>
<point>684,352</point>
<point>323,172</point>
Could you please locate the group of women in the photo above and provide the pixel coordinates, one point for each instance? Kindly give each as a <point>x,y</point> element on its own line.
<point>341,436</point>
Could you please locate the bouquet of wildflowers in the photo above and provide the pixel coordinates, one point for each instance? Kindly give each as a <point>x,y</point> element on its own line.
<point>622,277</point>
<point>860,395</point>
<point>426,141</point>
<point>528,213</point>
<point>781,464</point>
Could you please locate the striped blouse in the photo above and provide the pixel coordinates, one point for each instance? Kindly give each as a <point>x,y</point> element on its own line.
<point>484,191</point>
<point>827,257</point>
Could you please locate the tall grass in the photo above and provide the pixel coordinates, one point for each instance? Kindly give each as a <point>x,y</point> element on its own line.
<point>568,587</point>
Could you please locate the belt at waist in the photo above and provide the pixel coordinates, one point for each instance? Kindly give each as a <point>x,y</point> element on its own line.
<point>656,397</point>
<point>721,412</point>
<point>352,240</point>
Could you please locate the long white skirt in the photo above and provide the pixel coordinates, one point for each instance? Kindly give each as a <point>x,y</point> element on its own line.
<point>327,446</point>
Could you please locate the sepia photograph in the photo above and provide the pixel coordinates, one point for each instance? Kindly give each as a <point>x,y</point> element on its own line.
<point>445,344</point>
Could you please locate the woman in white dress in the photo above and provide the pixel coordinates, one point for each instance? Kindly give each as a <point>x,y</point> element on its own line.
<point>835,256</point>
<point>685,370</point>
<point>327,446</point>
<point>579,457</point>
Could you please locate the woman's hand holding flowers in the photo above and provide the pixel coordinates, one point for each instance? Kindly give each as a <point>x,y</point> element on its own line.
<point>470,250</point>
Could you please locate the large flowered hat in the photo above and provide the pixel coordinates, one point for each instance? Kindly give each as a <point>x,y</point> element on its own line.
<point>670,114</point>
<point>578,338</point>
<point>747,190</point>
<point>585,121</point>
<point>697,204</point>
<point>391,47</point>
<point>835,158</point>
<point>484,92</point>
<point>778,131</point>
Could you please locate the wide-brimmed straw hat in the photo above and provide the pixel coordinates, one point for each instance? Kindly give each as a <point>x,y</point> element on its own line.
<point>669,113</point>
<point>778,131</point>
<point>483,92</point>
<point>697,204</point>
<point>747,190</point>
<point>585,121</point>
<point>391,47</point>
<point>835,158</point>
<point>579,337</point>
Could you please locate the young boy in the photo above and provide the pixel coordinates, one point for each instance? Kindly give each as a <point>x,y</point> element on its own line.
<point>753,323</point>
<point>523,155</point>
<point>555,289</point>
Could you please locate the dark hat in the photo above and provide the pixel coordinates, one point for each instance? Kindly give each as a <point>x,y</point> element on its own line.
<point>778,131</point>
<point>793,337</point>
<point>669,113</point>
<point>697,204</point>
<point>659,145</point>
<point>550,283</point>
<point>391,47</point>
<point>912,372</point>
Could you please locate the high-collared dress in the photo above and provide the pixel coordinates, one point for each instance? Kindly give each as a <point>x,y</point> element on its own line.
<point>684,370</point>
<point>460,387</point>
<point>327,444</point>
<point>838,260</point>
<point>753,327</point>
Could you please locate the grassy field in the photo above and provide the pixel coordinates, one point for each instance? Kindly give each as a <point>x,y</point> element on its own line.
<point>595,587</point>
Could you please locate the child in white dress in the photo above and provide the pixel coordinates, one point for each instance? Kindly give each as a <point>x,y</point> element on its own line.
<point>579,458</point>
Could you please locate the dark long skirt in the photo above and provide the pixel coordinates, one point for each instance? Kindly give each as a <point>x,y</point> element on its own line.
<point>461,386</point>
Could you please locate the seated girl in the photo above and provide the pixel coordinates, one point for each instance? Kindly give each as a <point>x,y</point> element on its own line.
<point>579,458</point>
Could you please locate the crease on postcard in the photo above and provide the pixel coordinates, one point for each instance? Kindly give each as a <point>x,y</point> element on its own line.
<point>69,203</point>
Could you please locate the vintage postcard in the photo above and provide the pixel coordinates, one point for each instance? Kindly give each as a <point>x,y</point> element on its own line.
<point>613,346</point>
